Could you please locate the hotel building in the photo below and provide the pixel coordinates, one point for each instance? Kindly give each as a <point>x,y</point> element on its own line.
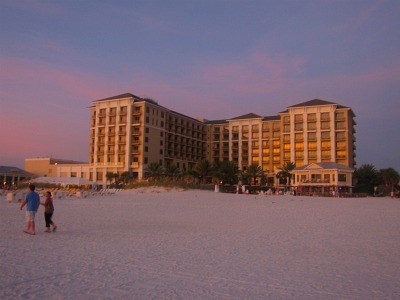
<point>127,133</point>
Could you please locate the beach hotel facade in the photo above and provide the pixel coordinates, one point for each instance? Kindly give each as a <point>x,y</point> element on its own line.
<point>127,133</point>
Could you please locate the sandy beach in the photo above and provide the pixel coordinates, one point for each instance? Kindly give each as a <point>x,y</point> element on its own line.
<point>157,244</point>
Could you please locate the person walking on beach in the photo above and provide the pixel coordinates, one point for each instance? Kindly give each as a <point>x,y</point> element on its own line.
<point>31,201</point>
<point>48,212</point>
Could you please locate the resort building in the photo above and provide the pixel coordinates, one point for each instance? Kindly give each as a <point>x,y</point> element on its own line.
<point>49,167</point>
<point>127,133</point>
<point>309,132</point>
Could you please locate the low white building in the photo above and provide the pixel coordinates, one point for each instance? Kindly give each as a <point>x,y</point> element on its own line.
<point>325,178</point>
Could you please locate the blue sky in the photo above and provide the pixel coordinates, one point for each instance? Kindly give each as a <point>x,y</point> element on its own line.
<point>214,59</point>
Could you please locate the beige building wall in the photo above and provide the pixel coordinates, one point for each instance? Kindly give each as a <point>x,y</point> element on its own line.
<point>127,133</point>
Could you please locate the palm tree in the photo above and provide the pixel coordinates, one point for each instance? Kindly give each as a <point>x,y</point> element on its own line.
<point>254,171</point>
<point>154,171</point>
<point>366,177</point>
<point>287,168</point>
<point>203,169</point>
<point>389,177</point>
<point>109,176</point>
<point>126,177</point>
<point>227,172</point>
<point>173,172</point>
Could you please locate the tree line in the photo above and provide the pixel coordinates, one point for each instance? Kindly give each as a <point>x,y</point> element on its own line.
<point>366,179</point>
<point>205,172</point>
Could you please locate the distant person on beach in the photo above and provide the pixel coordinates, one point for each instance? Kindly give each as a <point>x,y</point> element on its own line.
<point>32,201</point>
<point>48,212</point>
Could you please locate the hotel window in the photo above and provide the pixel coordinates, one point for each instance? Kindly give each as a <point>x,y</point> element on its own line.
<point>265,127</point>
<point>254,151</point>
<point>342,177</point>
<point>327,178</point>
<point>265,143</point>
<point>325,125</point>
<point>245,135</point>
<point>312,117</point>
<point>276,126</point>
<point>326,145</point>
<point>276,144</point>
<point>277,151</point>
<point>312,136</point>
<point>312,145</point>
<point>265,134</point>
<point>340,125</point>
<point>312,126</point>
<point>265,151</point>
<point>298,118</point>
<point>245,128</point>
<point>254,135</point>
<point>265,159</point>
<point>299,146</point>
<point>254,144</point>
<point>340,116</point>
<point>235,128</point>
<point>325,116</point>
<point>255,159</point>
<point>341,145</point>
<point>286,147</point>
<point>341,154</point>
<point>312,154</point>
<point>254,128</point>
<point>286,128</point>
<point>276,134</point>
<point>340,135</point>
<point>286,155</point>
<point>326,153</point>
<point>286,138</point>
<point>298,136</point>
<point>326,135</point>
<point>298,127</point>
<point>286,119</point>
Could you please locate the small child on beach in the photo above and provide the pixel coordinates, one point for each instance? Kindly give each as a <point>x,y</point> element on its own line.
<point>48,212</point>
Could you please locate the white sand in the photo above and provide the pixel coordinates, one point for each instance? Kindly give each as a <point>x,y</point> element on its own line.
<point>203,245</point>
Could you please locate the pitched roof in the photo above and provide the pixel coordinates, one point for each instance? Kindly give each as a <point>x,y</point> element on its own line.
<point>247,116</point>
<point>126,95</point>
<point>216,122</point>
<point>314,102</point>
<point>13,170</point>
<point>271,118</point>
<point>324,165</point>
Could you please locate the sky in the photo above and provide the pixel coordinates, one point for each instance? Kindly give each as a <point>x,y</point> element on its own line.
<point>215,59</point>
